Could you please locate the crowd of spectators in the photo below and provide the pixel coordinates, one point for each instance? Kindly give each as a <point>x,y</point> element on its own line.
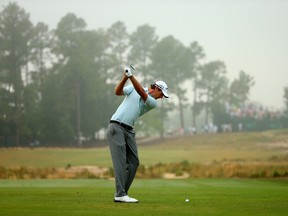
<point>251,117</point>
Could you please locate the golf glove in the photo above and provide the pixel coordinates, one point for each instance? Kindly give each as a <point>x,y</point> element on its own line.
<point>128,72</point>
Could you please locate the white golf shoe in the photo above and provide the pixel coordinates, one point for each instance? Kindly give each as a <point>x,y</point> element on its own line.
<point>125,199</point>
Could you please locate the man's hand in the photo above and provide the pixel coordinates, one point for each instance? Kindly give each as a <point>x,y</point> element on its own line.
<point>128,72</point>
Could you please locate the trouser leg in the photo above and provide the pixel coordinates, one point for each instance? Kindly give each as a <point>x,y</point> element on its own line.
<point>132,161</point>
<point>116,141</point>
<point>124,156</point>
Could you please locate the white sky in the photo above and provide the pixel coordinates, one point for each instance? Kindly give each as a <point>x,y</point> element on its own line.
<point>249,35</point>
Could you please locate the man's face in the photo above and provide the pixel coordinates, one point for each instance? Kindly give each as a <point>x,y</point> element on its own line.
<point>158,93</point>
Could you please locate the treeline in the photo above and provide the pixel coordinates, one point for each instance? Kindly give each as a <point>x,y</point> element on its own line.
<point>56,86</point>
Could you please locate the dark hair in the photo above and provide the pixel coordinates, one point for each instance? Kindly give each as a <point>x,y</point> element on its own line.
<point>153,86</point>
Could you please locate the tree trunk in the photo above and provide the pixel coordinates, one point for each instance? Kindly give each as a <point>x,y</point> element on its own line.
<point>181,114</point>
<point>79,141</point>
<point>194,107</point>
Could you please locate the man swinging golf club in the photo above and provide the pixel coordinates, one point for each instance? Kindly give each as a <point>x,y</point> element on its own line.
<point>120,133</point>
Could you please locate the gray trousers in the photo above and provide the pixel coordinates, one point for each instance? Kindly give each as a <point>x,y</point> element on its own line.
<point>124,154</point>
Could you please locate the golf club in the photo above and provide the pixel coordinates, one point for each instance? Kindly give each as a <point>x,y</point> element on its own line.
<point>132,67</point>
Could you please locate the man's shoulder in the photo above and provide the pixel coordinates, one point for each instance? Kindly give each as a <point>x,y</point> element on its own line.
<point>151,102</point>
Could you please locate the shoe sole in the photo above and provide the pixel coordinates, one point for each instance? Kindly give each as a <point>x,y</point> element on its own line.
<point>118,201</point>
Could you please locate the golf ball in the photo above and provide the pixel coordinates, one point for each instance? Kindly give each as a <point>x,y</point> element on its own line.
<point>187,200</point>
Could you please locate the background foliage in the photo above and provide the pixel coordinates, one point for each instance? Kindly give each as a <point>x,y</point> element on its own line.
<point>56,86</point>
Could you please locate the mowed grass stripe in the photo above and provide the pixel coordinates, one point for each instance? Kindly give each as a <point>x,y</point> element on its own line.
<point>157,197</point>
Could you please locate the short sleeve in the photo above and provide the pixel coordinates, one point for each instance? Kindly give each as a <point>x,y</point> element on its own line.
<point>150,102</point>
<point>128,89</point>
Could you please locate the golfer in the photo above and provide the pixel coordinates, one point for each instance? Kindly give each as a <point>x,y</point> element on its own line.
<point>120,133</point>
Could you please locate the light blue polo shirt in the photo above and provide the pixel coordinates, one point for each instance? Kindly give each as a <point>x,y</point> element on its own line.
<point>133,106</point>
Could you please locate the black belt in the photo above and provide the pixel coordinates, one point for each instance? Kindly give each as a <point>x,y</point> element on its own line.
<point>128,127</point>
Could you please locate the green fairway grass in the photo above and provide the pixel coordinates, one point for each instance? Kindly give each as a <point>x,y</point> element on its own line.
<point>157,197</point>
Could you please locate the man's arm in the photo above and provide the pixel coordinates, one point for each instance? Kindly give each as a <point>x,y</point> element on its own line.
<point>139,88</point>
<point>119,87</point>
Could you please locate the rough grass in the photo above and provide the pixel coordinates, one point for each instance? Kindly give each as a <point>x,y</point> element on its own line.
<point>262,154</point>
